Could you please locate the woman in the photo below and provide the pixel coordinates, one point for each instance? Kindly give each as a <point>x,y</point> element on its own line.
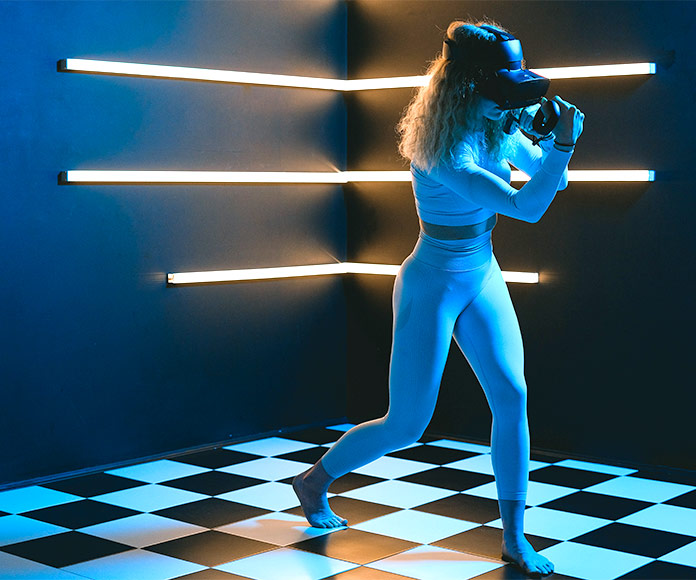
<point>451,285</point>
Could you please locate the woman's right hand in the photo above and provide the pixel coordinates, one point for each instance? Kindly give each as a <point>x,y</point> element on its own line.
<point>570,125</point>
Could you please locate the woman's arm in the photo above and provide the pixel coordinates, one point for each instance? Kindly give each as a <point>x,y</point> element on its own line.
<point>528,158</point>
<point>487,190</point>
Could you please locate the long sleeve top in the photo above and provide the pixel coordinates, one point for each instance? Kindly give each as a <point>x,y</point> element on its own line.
<point>475,187</point>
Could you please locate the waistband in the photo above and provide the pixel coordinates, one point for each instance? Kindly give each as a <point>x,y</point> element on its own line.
<point>453,256</point>
<point>459,232</point>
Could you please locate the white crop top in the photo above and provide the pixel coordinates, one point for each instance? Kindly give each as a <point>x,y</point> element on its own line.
<point>478,187</point>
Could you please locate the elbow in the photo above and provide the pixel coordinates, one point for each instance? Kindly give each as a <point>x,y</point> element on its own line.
<point>564,181</point>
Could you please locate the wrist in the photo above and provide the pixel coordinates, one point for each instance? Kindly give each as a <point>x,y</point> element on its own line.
<point>563,146</point>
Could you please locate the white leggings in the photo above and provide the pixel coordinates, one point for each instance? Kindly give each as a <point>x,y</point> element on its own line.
<point>444,290</point>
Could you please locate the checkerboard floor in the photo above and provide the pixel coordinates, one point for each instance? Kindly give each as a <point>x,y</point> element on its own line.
<point>426,512</point>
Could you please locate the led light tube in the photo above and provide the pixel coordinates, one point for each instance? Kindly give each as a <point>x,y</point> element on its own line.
<point>195,74</point>
<point>216,177</point>
<point>598,175</point>
<point>97,176</point>
<point>315,270</point>
<point>603,70</point>
<point>226,76</point>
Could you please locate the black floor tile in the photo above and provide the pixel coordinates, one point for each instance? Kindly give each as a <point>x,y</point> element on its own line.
<point>430,437</point>
<point>432,454</point>
<point>211,574</point>
<point>596,504</point>
<point>215,458</point>
<point>65,549</point>
<point>316,435</point>
<point>545,457</point>
<point>510,572</point>
<point>354,510</point>
<point>311,455</point>
<point>448,478</point>
<point>486,541</point>
<point>687,500</point>
<point>568,477</point>
<point>682,476</point>
<point>80,514</point>
<point>95,484</point>
<point>211,512</point>
<point>634,540</point>
<point>661,571</point>
<point>463,507</point>
<point>212,482</point>
<point>355,546</point>
<point>211,548</point>
<point>345,483</point>
<point>363,573</point>
<point>351,481</point>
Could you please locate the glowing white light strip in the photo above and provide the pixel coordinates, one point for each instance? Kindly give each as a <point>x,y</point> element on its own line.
<point>255,274</point>
<point>603,70</point>
<point>352,176</point>
<point>227,76</point>
<point>359,268</point>
<point>598,175</point>
<point>197,74</point>
<point>97,176</point>
<point>386,83</point>
<point>564,72</point>
<point>315,270</point>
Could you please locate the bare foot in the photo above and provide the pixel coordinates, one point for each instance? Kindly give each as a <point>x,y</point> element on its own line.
<point>315,505</point>
<point>521,553</point>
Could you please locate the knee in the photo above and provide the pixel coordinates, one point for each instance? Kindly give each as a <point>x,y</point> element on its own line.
<point>514,395</point>
<point>403,431</point>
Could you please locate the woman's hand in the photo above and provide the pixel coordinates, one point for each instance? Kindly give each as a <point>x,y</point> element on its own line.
<point>570,125</point>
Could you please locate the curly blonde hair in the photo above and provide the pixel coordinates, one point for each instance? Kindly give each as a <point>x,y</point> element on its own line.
<point>446,111</point>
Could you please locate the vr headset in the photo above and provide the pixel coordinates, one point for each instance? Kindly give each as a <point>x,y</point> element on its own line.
<point>506,82</point>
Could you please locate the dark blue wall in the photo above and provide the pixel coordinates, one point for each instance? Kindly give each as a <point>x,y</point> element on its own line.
<point>609,331</point>
<point>101,361</point>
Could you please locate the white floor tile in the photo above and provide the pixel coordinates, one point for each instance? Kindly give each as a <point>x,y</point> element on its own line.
<point>597,467</point>
<point>640,489</point>
<point>270,446</point>
<point>294,564</point>
<point>398,493</point>
<point>669,518</point>
<point>415,526</point>
<point>538,492</point>
<point>271,496</point>
<point>35,497</point>
<point>342,427</point>
<point>555,524</point>
<point>487,490</point>
<point>433,563</point>
<point>134,565</point>
<point>16,568</point>
<point>451,444</point>
<point>276,528</point>
<point>14,529</point>
<point>477,464</point>
<point>142,530</point>
<point>393,467</point>
<point>150,497</point>
<point>590,562</point>
<point>686,556</point>
<point>483,464</point>
<point>268,468</point>
<point>158,471</point>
